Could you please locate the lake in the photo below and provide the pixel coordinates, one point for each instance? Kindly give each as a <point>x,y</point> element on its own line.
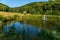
<point>30,30</point>
<point>19,27</point>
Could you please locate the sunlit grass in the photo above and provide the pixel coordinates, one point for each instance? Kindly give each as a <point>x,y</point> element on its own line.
<point>33,19</point>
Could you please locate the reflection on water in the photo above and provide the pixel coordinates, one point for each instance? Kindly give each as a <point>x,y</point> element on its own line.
<point>19,30</point>
<point>19,27</point>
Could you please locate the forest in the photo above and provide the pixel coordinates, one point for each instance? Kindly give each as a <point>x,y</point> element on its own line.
<point>49,8</point>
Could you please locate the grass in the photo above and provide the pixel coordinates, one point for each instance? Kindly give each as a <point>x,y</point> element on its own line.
<point>27,18</point>
<point>32,19</point>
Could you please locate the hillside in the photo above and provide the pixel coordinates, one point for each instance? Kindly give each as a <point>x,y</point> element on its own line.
<point>4,7</point>
<point>48,8</point>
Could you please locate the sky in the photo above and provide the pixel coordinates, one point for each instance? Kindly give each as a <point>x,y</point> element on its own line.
<point>16,3</point>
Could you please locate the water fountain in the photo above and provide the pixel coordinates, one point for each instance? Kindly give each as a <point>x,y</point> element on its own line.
<point>44,21</point>
<point>44,18</point>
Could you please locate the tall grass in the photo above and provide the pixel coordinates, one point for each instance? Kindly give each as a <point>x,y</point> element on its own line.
<point>32,19</point>
<point>35,20</point>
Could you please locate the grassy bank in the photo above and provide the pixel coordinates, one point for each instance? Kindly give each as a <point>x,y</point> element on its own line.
<point>31,19</point>
<point>27,18</point>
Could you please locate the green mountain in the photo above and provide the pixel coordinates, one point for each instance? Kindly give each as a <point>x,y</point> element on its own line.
<point>50,8</point>
<point>3,7</point>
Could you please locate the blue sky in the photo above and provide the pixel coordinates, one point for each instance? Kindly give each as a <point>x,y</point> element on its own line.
<point>16,3</point>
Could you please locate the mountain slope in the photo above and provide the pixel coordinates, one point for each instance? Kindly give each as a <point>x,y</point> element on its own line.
<point>39,8</point>
<point>48,8</point>
<point>3,7</point>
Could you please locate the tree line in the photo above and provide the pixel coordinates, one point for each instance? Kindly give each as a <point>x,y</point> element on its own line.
<point>49,8</point>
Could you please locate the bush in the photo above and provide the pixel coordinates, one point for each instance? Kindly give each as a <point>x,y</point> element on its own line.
<point>45,35</point>
<point>1,18</point>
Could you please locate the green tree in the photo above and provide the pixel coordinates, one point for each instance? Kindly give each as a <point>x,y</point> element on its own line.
<point>58,1</point>
<point>3,7</point>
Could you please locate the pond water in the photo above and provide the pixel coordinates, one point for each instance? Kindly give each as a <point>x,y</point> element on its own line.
<point>19,27</point>
<point>32,30</point>
<point>27,30</point>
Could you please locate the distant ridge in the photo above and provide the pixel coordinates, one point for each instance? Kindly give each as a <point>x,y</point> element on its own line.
<point>48,8</point>
<point>4,7</point>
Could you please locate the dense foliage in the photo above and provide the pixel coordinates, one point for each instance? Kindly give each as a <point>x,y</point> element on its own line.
<point>50,8</point>
<point>4,7</point>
